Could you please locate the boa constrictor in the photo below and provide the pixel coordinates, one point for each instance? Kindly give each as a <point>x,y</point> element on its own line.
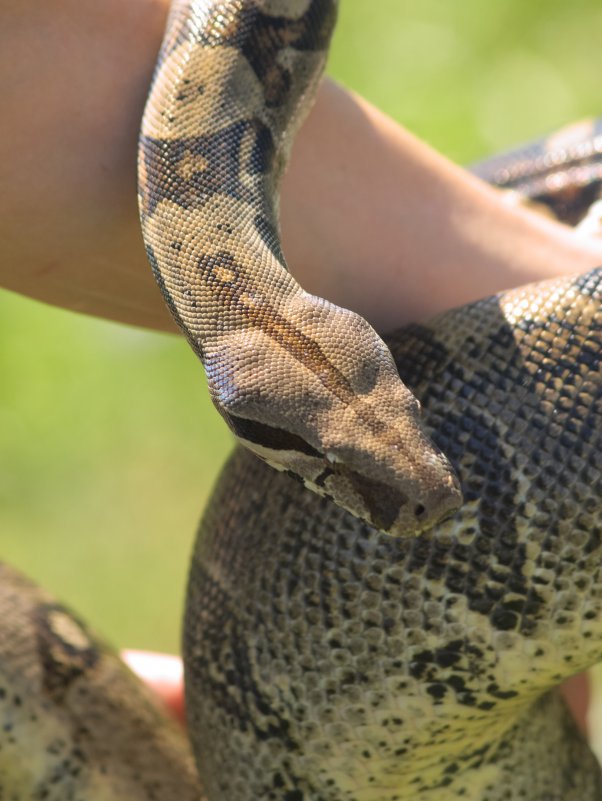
<point>309,387</point>
<point>325,660</point>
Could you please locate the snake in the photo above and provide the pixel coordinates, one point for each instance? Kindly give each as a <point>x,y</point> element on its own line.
<point>308,386</point>
<point>325,659</point>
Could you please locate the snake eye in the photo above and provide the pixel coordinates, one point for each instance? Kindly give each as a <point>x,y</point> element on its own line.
<point>332,457</point>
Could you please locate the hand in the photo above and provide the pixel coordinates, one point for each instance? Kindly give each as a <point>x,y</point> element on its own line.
<point>164,674</point>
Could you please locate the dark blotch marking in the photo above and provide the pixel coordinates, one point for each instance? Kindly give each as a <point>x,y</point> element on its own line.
<point>504,620</point>
<point>576,166</point>
<point>594,542</point>
<point>324,476</point>
<point>276,439</point>
<point>502,695</point>
<point>570,203</point>
<point>383,502</point>
<point>261,38</point>
<point>220,163</point>
<point>449,655</point>
<point>437,691</point>
<point>62,660</point>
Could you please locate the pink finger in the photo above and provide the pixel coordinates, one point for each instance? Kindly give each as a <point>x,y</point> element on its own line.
<point>163,673</point>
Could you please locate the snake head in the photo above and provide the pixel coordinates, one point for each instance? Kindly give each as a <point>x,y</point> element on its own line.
<point>321,398</point>
<point>390,474</point>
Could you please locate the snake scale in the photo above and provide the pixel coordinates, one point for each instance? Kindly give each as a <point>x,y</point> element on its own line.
<point>325,660</point>
<point>309,387</point>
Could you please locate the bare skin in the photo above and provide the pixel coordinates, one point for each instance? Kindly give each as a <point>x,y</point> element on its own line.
<point>69,231</point>
<point>73,85</point>
<point>164,674</point>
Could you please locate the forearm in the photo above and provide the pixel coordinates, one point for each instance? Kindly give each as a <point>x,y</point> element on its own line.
<point>372,219</point>
<point>387,226</point>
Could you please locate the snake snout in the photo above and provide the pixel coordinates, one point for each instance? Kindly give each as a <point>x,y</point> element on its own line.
<point>435,506</point>
<point>400,500</point>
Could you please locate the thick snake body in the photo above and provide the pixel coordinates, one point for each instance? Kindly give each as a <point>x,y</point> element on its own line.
<point>329,662</point>
<point>326,661</point>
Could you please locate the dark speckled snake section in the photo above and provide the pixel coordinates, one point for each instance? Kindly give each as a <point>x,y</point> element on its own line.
<point>561,172</point>
<point>328,662</point>
<point>75,724</point>
<point>307,386</point>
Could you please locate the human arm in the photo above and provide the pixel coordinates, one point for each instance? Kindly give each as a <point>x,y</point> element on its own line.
<point>372,218</point>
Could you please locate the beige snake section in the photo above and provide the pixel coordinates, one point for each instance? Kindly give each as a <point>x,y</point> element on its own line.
<point>308,386</point>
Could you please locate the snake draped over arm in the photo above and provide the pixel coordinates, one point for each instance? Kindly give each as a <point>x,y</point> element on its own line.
<point>308,386</point>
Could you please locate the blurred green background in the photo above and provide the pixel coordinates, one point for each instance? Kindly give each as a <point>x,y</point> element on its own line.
<point>108,443</point>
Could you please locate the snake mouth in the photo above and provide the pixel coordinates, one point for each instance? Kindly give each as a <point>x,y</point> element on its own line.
<point>270,439</point>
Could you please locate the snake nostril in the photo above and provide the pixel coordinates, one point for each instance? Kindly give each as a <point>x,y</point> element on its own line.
<point>419,510</point>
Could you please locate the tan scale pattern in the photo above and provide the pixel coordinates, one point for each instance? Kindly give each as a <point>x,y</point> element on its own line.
<point>309,387</point>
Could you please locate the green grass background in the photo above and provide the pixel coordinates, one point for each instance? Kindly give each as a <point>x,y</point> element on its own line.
<point>108,443</point>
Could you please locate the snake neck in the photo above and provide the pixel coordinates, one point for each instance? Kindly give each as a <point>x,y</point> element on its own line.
<point>307,386</point>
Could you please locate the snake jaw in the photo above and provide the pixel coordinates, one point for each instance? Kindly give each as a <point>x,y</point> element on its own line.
<point>407,507</point>
<point>404,498</point>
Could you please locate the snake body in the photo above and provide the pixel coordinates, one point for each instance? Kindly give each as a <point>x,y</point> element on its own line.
<point>325,660</point>
<point>309,387</point>
<point>560,174</point>
<point>75,724</point>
